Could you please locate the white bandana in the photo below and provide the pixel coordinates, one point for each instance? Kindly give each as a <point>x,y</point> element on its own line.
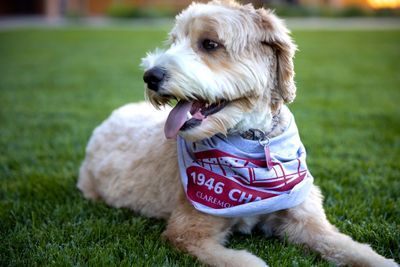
<point>228,175</point>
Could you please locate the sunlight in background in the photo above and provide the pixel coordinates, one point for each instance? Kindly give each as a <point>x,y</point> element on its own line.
<point>384,3</point>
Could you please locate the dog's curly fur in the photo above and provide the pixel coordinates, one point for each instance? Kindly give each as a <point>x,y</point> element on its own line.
<point>130,164</point>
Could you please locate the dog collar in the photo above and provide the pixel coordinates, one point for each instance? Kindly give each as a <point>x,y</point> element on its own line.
<point>256,134</point>
<point>230,176</point>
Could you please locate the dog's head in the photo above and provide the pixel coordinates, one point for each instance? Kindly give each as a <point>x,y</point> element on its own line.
<point>230,67</point>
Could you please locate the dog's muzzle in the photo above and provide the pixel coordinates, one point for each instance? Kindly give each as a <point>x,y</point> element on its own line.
<point>154,77</point>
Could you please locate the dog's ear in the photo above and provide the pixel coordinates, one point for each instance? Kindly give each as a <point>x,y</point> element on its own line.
<point>275,34</point>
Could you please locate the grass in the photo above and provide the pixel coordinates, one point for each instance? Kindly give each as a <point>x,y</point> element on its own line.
<point>57,85</point>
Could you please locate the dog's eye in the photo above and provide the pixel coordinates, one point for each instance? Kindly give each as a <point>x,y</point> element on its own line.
<point>209,45</point>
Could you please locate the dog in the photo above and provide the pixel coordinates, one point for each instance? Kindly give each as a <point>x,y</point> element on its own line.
<point>230,67</point>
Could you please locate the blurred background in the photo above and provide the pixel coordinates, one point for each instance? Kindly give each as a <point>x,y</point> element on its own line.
<point>54,9</point>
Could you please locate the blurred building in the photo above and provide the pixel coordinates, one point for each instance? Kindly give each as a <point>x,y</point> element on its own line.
<point>56,8</point>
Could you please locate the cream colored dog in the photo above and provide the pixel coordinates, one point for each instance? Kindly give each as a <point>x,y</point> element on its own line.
<point>231,69</point>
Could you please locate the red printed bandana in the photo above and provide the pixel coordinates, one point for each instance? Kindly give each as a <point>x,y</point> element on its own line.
<point>229,176</point>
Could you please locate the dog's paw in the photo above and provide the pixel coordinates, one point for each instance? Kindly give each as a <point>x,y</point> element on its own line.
<point>380,261</point>
<point>389,263</point>
<point>243,258</point>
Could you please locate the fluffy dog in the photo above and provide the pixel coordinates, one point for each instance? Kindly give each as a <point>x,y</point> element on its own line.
<point>230,66</point>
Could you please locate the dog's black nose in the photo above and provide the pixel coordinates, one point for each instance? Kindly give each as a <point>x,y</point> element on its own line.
<point>153,77</point>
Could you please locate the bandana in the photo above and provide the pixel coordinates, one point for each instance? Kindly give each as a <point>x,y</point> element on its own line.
<point>229,176</point>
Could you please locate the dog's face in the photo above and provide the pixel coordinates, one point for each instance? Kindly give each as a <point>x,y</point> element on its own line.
<point>229,66</point>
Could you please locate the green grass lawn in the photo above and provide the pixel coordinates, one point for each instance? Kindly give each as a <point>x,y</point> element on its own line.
<point>57,85</point>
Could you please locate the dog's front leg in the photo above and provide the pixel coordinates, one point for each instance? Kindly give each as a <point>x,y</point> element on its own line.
<point>203,236</point>
<point>307,224</point>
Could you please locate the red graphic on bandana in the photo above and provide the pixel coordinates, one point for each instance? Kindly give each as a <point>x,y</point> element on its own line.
<point>222,180</point>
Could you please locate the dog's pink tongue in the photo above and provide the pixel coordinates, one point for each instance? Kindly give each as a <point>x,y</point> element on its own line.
<point>176,118</point>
